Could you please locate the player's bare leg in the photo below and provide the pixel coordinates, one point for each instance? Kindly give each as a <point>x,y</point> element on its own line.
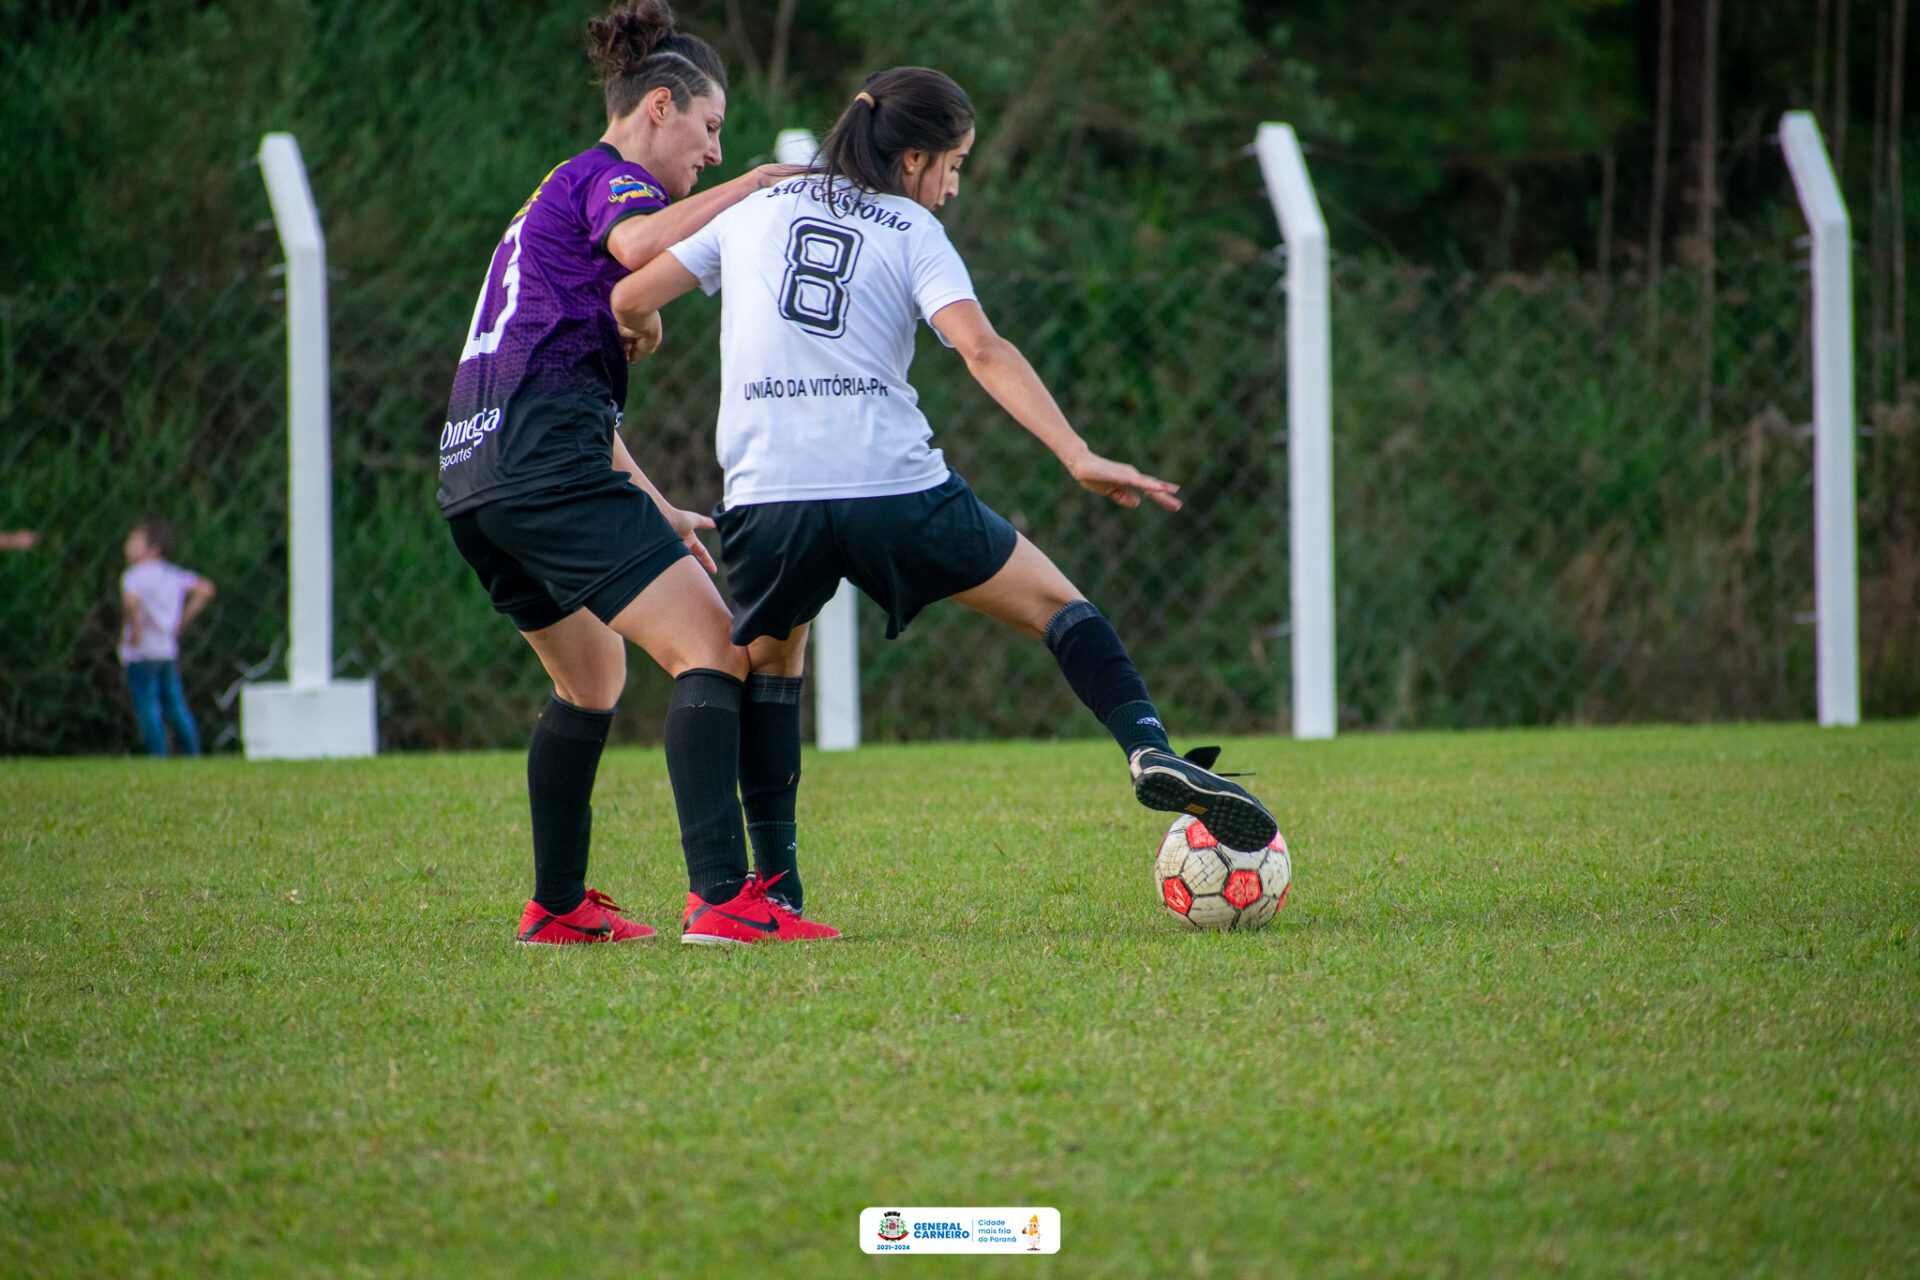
<point>780,657</point>
<point>682,623</point>
<point>1027,592</point>
<point>1030,594</point>
<point>585,659</point>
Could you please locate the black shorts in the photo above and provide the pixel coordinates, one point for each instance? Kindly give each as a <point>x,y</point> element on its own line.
<point>593,544</point>
<point>785,559</point>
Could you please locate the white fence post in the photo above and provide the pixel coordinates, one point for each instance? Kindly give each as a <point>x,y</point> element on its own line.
<point>312,714</point>
<point>1835,529</point>
<point>1309,428</point>
<point>836,673</point>
<point>309,461</point>
<point>836,632</point>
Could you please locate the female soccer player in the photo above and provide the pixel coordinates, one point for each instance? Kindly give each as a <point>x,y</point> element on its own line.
<point>828,469</point>
<point>566,533</point>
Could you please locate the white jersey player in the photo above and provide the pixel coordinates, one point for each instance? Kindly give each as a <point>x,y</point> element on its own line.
<point>829,469</point>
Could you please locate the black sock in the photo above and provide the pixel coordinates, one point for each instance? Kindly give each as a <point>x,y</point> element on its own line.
<point>770,778</point>
<point>703,763</point>
<point>1097,666</point>
<point>1135,725</point>
<point>567,741</point>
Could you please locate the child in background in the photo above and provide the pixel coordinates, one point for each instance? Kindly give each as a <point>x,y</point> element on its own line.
<point>158,599</point>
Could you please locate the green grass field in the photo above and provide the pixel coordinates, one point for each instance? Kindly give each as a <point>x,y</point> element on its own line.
<point>1589,1003</point>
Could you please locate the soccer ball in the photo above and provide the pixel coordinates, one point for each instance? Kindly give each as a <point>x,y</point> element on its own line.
<point>1210,886</point>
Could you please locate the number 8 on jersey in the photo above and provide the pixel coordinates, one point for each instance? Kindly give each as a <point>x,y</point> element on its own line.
<point>820,261</point>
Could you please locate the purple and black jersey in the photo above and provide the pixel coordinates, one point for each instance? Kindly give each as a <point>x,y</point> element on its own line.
<point>542,378</point>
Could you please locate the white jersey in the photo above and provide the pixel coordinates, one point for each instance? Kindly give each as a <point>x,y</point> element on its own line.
<point>822,299</point>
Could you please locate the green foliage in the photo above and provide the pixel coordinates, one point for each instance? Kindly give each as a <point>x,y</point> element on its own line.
<point>1449,109</point>
<point>127,131</point>
<point>1586,530</point>
<point>1584,1004</point>
<point>1459,133</point>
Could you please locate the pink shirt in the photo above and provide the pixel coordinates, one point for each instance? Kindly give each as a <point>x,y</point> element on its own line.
<point>161,589</point>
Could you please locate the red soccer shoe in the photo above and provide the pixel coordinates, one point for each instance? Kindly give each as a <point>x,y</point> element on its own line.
<point>748,917</point>
<point>594,920</point>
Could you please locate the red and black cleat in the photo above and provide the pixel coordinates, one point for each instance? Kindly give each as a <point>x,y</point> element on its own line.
<point>749,916</point>
<point>597,919</point>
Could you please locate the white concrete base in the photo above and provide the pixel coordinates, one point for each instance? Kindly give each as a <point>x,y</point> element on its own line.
<point>280,722</point>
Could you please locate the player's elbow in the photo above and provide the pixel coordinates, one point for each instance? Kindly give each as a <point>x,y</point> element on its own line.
<point>627,296</point>
<point>986,353</point>
<point>633,243</point>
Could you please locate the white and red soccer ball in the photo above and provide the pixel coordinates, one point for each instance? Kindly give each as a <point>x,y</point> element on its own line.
<point>1210,886</point>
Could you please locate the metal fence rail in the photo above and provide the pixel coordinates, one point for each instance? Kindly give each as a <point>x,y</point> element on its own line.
<point>1556,500</point>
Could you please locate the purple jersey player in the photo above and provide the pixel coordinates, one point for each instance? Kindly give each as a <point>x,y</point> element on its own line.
<point>543,373</point>
<point>564,530</point>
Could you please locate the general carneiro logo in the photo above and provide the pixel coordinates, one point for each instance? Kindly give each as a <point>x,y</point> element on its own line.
<point>1023,1231</point>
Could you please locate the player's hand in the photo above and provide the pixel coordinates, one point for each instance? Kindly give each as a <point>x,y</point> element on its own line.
<point>1122,483</point>
<point>688,525</point>
<point>643,341</point>
<point>772,174</point>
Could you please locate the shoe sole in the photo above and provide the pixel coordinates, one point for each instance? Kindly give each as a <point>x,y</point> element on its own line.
<point>1235,821</point>
<point>713,940</point>
<point>597,942</point>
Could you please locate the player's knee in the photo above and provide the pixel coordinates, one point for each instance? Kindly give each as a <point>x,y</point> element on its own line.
<point>733,660</point>
<point>721,655</point>
<point>1041,612</point>
<point>591,691</point>
<point>597,698</point>
<point>779,658</point>
<point>1044,602</point>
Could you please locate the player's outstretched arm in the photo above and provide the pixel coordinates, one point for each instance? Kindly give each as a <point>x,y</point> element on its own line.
<point>685,523</point>
<point>998,366</point>
<point>637,241</point>
<point>637,299</point>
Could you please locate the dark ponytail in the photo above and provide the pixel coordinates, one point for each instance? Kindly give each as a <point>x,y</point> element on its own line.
<point>905,109</point>
<point>637,51</point>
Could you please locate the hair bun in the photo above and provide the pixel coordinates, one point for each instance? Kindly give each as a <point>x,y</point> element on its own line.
<point>627,36</point>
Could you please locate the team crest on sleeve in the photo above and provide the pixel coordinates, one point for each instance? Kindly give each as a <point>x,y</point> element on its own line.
<point>626,187</point>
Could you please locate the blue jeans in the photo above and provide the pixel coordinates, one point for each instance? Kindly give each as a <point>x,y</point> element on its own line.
<point>155,686</point>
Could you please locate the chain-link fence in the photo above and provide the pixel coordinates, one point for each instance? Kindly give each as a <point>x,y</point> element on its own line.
<point>1558,499</point>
